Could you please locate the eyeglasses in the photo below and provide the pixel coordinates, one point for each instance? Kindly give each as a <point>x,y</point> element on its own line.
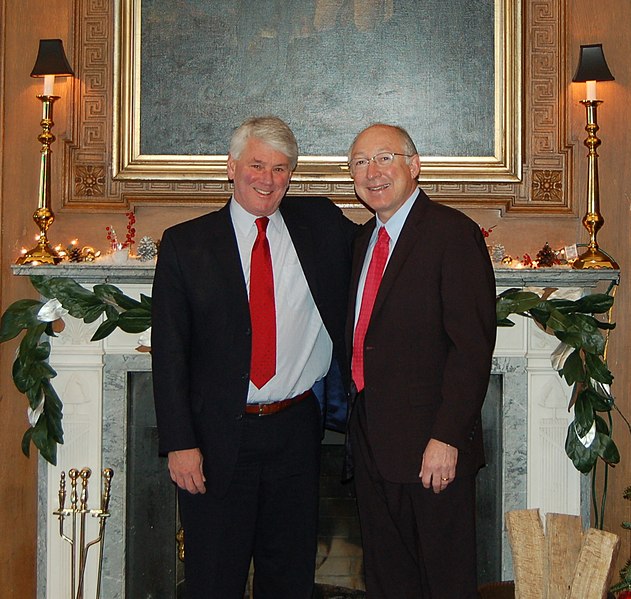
<point>383,160</point>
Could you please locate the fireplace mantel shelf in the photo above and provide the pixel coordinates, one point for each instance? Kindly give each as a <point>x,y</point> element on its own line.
<point>142,272</point>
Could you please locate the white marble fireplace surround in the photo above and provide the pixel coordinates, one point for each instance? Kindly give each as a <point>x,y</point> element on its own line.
<point>92,382</point>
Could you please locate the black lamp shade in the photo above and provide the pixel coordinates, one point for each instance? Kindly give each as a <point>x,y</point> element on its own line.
<point>592,65</point>
<point>51,60</point>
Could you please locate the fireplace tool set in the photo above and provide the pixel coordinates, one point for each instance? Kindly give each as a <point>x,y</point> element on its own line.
<point>74,518</point>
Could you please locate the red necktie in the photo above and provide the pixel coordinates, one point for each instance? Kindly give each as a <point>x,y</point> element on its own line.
<point>262,309</point>
<point>371,286</point>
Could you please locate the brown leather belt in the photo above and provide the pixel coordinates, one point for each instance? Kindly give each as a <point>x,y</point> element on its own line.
<point>265,409</point>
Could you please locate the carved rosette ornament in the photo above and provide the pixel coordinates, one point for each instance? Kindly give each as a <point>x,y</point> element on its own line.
<point>89,180</point>
<point>547,186</point>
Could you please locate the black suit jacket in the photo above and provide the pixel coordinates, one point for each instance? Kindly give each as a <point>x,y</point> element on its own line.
<point>201,333</point>
<point>430,340</point>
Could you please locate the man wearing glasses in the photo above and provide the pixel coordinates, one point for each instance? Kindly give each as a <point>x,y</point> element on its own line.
<point>422,327</point>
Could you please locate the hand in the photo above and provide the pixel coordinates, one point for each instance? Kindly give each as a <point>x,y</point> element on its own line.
<point>185,468</point>
<point>438,467</point>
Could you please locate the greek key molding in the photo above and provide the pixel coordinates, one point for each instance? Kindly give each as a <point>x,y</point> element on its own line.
<point>544,185</point>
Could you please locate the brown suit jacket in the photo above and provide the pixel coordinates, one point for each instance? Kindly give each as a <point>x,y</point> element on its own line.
<point>430,340</point>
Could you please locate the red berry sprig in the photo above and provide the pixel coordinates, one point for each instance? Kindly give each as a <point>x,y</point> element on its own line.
<point>487,232</point>
<point>130,238</point>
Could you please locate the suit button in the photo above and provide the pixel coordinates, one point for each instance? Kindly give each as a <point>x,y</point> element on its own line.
<point>239,417</point>
<point>248,332</point>
<point>245,376</point>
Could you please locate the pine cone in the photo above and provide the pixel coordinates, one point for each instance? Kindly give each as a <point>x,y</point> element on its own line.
<point>147,249</point>
<point>546,256</point>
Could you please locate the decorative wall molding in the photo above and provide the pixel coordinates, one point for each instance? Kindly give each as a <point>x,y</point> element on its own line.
<point>546,178</point>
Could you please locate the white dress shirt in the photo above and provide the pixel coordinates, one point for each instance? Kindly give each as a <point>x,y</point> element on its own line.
<point>303,345</point>
<point>393,228</point>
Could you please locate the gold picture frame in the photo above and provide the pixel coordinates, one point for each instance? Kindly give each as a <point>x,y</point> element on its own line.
<point>502,165</point>
<point>528,170</point>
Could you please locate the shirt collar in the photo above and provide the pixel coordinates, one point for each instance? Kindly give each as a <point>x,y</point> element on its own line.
<point>397,220</point>
<point>243,221</point>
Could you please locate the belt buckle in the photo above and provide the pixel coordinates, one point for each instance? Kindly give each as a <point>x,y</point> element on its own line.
<point>261,412</point>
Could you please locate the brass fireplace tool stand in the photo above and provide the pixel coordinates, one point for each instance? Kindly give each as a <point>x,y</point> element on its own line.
<point>77,515</point>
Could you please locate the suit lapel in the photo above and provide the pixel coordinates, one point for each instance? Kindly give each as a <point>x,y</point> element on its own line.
<point>409,237</point>
<point>225,255</point>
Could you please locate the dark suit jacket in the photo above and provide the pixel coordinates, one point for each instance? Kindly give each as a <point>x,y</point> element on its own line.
<point>430,340</point>
<point>201,341</point>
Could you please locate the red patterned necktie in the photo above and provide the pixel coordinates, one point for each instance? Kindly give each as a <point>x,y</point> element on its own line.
<point>371,286</point>
<point>262,309</point>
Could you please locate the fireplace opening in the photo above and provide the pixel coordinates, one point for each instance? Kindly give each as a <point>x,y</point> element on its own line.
<point>152,567</point>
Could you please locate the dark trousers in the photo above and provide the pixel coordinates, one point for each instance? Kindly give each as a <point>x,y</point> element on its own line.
<point>270,513</point>
<point>417,544</point>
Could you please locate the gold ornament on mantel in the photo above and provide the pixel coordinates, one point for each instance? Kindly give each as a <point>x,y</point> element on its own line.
<point>51,62</point>
<point>592,67</point>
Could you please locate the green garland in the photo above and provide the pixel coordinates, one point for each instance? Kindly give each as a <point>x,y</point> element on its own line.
<point>32,373</point>
<point>589,436</point>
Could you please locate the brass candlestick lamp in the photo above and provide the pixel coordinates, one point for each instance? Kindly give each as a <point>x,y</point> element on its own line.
<point>592,67</point>
<point>51,62</point>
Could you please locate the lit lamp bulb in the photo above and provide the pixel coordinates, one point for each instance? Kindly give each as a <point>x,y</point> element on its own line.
<point>49,85</point>
<point>590,90</point>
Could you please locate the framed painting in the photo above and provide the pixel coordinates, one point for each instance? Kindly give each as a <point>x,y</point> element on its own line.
<point>187,72</point>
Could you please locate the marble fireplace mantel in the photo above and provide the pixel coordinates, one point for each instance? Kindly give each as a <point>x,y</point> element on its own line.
<point>91,380</point>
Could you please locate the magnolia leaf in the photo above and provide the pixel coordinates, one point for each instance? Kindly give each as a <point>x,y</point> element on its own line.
<point>601,425</point>
<point>125,302</point>
<point>607,449</point>
<point>135,321</point>
<point>35,395</point>
<point>560,355</point>
<point>26,442</point>
<point>592,343</point>
<point>34,413</point>
<point>597,369</point>
<point>17,317</point>
<point>603,390</point>
<point>582,457</point>
<point>541,312</point>
<point>107,327</point>
<point>564,306</point>
<point>145,301</point>
<point>106,292</point>
<point>91,313</point>
<point>573,370</point>
<point>44,442</point>
<point>547,292</point>
<point>595,303</point>
<point>575,391</point>
<point>583,415</point>
<point>516,302</point>
<point>53,413</point>
<point>557,321</point>
<point>111,312</point>
<point>79,302</point>
<point>599,402</point>
<point>505,322</point>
